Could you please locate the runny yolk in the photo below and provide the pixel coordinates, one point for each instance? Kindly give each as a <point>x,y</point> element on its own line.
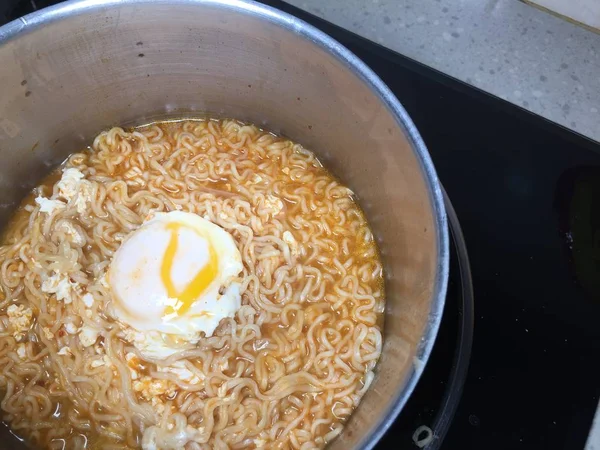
<point>199,283</point>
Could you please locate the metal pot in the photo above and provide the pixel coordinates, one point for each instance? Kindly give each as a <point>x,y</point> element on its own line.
<point>74,69</point>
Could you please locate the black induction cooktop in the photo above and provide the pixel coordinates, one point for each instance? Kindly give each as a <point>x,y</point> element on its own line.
<point>527,194</point>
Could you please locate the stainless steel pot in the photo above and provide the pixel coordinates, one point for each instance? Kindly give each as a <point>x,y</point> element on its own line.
<point>69,71</point>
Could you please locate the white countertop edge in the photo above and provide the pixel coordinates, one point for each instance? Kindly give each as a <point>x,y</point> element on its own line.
<point>510,49</point>
<point>593,440</point>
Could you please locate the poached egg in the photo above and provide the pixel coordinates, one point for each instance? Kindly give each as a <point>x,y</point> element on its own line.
<point>173,279</point>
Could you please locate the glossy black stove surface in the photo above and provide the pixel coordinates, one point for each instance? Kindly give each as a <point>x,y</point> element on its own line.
<point>527,194</point>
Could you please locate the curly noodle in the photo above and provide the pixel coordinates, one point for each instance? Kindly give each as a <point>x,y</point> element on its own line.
<point>284,373</point>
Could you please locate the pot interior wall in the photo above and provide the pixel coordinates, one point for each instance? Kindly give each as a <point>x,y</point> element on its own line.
<point>89,68</point>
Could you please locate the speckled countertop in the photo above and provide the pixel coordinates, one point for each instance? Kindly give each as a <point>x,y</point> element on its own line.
<point>510,49</point>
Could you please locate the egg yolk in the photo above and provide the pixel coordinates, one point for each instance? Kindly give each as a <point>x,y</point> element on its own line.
<point>199,283</point>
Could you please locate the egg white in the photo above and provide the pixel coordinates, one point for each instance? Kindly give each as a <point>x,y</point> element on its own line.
<point>140,297</point>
